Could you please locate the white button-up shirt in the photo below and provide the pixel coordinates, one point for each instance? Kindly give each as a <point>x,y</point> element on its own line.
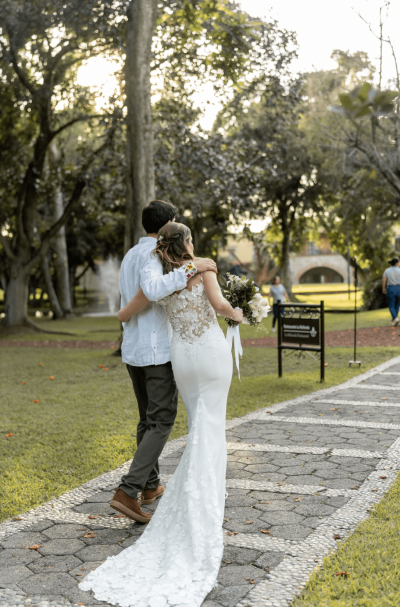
<point>146,334</point>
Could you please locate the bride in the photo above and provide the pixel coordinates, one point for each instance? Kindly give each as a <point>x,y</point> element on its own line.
<point>175,562</point>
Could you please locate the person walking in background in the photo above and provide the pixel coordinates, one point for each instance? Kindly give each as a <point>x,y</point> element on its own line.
<point>391,287</point>
<point>278,293</point>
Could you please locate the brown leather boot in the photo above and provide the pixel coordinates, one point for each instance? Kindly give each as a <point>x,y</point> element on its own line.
<point>127,505</point>
<point>151,495</point>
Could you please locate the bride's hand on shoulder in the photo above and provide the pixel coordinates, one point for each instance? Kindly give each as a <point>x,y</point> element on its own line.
<point>203,264</point>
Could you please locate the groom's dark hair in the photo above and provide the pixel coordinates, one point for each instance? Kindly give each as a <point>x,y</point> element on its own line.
<point>156,214</point>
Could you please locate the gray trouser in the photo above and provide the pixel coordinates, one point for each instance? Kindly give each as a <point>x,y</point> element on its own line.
<point>157,398</point>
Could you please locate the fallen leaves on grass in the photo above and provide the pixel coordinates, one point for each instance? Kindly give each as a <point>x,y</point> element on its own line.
<point>36,400</point>
<point>24,383</point>
<point>326,364</point>
<point>105,368</point>
<point>51,377</point>
<point>342,573</point>
<point>101,366</point>
<point>9,435</point>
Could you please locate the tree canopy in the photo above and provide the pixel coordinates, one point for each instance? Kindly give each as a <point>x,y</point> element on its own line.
<point>315,149</point>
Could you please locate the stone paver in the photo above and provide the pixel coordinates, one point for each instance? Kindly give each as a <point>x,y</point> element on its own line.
<point>61,547</point>
<point>83,569</point>
<point>68,531</point>
<point>17,556</point>
<point>98,553</point>
<point>55,564</point>
<point>13,575</point>
<point>296,476</point>
<point>23,540</point>
<point>47,583</point>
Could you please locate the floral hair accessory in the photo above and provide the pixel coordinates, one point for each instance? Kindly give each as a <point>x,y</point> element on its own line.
<point>160,238</point>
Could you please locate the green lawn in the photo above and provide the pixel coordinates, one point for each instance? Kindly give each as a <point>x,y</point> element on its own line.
<point>333,322</point>
<point>79,327</point>
<point>332,301</point>
<point>371,559</point>
<point>314,293</point>
<point>107,328</point>
<point>84,422</point>
<point>327,286</point>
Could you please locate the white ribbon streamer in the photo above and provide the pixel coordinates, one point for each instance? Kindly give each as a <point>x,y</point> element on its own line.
<point>233,337</point>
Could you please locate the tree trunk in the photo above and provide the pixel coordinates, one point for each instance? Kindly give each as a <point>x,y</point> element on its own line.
<point>55,305</point>
<point>286,277</point>
<point>16,303</point>
<point>61,261</point>
<point>142,15</point>
<point>60,241</point>
<point>3,282</point>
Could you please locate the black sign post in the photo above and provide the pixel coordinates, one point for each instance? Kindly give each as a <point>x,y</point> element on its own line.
<point>301,329</point>
<point>355,361</point>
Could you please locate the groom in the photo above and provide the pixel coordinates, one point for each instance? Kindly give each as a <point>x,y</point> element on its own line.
<point>145,350</point>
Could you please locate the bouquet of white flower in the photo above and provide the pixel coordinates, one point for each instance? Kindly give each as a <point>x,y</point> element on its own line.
<point>243,293</point>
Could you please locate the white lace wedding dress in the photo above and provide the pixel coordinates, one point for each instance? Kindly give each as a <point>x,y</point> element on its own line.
<point>175,562</point>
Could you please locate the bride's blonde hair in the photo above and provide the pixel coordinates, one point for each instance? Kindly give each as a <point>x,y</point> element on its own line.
<point>171,246</point>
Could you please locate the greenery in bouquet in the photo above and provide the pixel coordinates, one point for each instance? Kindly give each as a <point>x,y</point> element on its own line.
<point>243,293</point>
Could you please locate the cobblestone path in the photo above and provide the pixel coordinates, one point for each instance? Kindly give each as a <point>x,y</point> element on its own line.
<point>299,473</point>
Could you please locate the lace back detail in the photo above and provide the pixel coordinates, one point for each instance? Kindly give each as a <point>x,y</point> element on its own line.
<point>190,314</point>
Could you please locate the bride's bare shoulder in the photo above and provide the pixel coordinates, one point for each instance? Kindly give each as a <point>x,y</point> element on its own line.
<point>193,282</point>
<point>209,276</point>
